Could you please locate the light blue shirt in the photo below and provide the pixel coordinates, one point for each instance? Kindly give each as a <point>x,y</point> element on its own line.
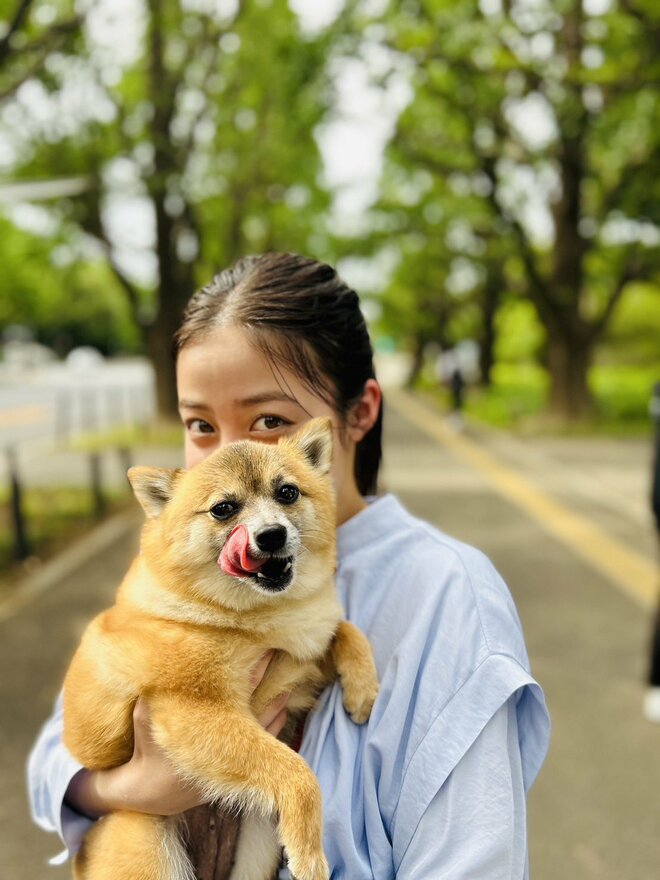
<point>434,785</point>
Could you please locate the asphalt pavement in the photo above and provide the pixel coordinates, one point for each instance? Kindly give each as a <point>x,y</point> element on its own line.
<point>593,812</point>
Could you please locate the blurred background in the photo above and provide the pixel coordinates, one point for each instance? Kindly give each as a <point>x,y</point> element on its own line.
<point>487,176</point>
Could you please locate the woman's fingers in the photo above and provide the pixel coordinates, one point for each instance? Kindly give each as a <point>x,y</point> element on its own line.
<point>141,727</point>
<point>278,723</point>
<point>270,715</point>
<point>259,669</point>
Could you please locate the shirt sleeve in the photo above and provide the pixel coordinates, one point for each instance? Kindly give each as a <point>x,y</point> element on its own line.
<point>50,770</point>
<point>475,825</point>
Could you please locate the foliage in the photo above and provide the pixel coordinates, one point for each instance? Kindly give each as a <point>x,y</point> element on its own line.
<point>517,400</point>
<point>30,32</point>
<point>194,143</point>
<point>519,193</point>
<point>520,336</point>
<point>65,303</point>
<point>633,334</point>
<point>531,142</point>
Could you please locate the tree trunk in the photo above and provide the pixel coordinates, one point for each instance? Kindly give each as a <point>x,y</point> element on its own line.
<point>490,302</point>
<point>158,341</point>
<point>175,278</point>
<point>417,362</point>
<point>569,358</point>
<point>176,285</point>
<point>569,343</point>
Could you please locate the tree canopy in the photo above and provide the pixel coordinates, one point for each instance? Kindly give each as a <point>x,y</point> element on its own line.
<point>529,155</point>
<point>164,138</point>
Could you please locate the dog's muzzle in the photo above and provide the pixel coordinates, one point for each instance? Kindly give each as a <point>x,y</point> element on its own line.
<point>269,572</point>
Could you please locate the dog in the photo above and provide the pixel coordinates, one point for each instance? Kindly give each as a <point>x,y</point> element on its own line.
<point>237,557</point>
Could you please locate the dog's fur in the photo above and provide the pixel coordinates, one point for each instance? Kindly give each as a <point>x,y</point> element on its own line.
<point>185,635</point>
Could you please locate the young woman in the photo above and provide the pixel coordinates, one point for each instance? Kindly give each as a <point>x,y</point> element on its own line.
<point>434,785</point>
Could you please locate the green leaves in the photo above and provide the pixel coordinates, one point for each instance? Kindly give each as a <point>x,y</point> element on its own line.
<point>539,127</point>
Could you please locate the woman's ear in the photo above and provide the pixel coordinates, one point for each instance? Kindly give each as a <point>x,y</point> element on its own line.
<point>364,413</point>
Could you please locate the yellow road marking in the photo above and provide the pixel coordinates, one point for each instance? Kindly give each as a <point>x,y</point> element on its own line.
<point>21,415</point>
<point>628,570</point>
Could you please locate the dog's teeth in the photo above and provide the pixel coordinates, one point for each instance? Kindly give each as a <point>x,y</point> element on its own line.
<point>260,575</point>
<point>287,566</point>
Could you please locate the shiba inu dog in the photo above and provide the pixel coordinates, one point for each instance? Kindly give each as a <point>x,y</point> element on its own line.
<point>237,557</point>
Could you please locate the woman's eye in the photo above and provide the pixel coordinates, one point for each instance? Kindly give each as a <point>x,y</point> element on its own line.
<point>287,494</point>
<point>199,426</point>
<point>223,510</point>
<point>269,423</point>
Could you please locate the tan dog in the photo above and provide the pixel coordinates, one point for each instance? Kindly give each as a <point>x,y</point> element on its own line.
<point>237,557</point>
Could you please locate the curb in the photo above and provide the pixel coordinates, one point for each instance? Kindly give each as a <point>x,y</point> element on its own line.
<point>63,565</point>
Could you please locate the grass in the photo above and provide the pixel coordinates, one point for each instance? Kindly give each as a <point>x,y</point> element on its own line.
<point>53,517</point>
<point>154,434</point>
<point>517,400</point>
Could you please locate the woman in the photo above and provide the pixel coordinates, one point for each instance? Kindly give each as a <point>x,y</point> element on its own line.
<point>434,786</point>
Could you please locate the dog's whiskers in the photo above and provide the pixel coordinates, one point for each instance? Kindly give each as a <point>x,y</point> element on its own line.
<point>306,533</point>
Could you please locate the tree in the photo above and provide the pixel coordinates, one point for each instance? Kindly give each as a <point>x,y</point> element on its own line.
<point>547,115</point>
<point>73,303</point>
<point>210,131</point>
<point>25,44</point>
<point>450,258</point>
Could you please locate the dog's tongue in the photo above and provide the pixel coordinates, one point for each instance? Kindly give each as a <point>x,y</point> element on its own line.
<point>234,558</point>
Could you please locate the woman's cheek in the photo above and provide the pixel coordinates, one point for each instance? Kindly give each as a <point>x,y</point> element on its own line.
<point>195,452</point>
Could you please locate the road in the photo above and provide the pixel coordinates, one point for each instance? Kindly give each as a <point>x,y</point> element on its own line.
<point>585,610</point>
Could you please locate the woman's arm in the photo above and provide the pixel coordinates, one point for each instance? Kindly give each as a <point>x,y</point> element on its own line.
<point>148,783</point>
<point>475,826</point>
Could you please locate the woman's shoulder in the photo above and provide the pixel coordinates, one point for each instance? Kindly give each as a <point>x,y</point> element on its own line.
<point>448,646</point>
<point>398,567</point>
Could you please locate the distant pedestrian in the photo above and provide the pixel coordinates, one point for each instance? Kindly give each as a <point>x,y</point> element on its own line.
<point>457,390</point>
<point>652,698</point>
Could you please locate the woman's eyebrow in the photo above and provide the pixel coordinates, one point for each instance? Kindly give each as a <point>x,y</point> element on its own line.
<point>192,404</point>
<point>266,397</point>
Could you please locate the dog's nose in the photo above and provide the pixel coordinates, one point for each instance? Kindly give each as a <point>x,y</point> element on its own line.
<point>271,538</point>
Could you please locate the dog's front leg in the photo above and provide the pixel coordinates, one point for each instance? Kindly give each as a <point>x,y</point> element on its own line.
<point>354,663</point>
<point>225,753</point>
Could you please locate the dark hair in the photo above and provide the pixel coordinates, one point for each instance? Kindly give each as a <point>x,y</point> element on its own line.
<point>303,317</point>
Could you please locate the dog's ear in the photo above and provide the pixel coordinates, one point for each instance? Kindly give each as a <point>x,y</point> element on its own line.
<point>315,441</point>
<point>153,487</point>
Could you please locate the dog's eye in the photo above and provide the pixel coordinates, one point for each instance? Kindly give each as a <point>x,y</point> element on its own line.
<point>223,510</point>
<point>287,494</point>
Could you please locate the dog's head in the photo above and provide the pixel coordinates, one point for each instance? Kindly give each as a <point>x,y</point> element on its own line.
<point>251,522</point>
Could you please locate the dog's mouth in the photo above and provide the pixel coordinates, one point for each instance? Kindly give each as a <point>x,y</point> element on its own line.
<point>272,573</point>
<point>275,574</point>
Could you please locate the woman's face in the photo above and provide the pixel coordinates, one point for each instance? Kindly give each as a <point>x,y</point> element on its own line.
<point>228,391</point>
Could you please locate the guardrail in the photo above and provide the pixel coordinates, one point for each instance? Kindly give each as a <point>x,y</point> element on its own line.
<point>44,415</point>
<point>22,546</point>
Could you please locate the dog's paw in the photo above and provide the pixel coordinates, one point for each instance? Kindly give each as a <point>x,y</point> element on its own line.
<point>310,868</point>
<point>359,700</point>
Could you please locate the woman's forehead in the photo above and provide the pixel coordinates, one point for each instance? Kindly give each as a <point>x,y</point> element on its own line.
<point>227,369</point>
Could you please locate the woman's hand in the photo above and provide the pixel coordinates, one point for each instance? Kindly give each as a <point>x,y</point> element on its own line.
<point>149,783</point>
